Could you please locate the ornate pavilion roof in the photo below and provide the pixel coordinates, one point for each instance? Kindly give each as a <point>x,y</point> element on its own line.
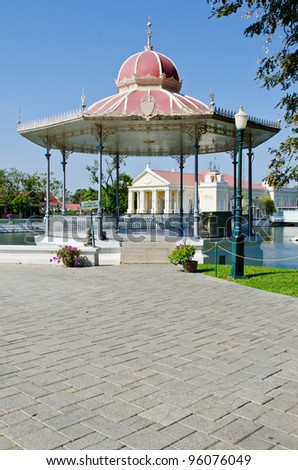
<point>147,117</point>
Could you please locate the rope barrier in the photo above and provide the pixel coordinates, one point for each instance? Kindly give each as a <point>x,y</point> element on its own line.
<point>249,258</point>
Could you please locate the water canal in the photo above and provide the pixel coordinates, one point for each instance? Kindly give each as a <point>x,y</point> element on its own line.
<point>278,248</point>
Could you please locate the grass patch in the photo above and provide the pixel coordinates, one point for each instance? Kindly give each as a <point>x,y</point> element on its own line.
<point>280,280</point>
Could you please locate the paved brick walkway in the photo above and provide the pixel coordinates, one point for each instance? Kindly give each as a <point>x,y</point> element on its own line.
<point>144,357</point>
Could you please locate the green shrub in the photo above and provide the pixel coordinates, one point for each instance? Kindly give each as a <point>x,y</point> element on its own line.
<point>181,254</point>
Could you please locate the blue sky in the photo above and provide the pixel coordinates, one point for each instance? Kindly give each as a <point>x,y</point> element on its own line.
<point>51,49</point>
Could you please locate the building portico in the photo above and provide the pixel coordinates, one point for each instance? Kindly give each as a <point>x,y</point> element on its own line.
<point>152,194</point>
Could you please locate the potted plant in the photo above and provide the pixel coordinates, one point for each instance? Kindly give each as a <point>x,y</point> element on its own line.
<point>68,255</point>
<point>183,254</point>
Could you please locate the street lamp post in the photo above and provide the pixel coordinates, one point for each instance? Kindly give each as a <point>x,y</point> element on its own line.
<point>238,237</point>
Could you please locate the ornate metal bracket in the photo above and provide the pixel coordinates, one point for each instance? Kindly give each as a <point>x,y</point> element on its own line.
<point>180,159</point>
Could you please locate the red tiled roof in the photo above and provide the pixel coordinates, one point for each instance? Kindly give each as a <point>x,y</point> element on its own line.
<point>173,177</point>
<point>188,179</point>
<point>73,207</point>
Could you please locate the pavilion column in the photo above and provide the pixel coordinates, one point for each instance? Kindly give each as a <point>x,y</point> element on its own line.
<point>100,208</point>
<point>181,167</point>
<point>198,134</point>
<point>250,211</point>
<point>181,159</point>
<point>117,165</point>
<point>64,163</point>
<point>196,190</point>
<point>48,192</point>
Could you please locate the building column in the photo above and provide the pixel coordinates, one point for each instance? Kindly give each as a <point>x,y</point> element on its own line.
<point>167,201</point>
<point>142,202</point>
<point>130,201</point>
<point>154,201</point>
<point>170,201</point>
<point>177,201</point>
<point>48,192</point>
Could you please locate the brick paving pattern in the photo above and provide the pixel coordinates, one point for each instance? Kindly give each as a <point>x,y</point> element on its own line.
<point>144,357</point>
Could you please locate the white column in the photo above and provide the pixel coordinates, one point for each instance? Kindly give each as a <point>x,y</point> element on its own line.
<point>142,202</point>
<point>130,201</point>
<point>167,201</point>
<point>154,201</point>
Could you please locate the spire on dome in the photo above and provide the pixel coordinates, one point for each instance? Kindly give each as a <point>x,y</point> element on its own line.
<point>149,46</point>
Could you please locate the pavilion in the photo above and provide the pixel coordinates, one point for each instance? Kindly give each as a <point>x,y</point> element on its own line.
<point>148,116</point>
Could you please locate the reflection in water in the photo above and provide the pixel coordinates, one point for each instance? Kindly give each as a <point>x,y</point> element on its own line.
<point>278,249</point>
<point>26,238</point>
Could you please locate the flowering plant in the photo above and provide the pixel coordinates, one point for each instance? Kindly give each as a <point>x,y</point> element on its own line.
<point>9,216</point>
<point>181,254</point>
<point>69,255</point>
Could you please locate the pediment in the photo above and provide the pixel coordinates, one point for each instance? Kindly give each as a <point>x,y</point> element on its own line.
<point>148,178</point>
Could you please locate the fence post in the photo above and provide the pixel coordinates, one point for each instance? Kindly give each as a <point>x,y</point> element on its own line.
<point>215,259</point>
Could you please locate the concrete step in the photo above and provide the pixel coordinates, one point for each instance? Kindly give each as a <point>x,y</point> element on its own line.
<point>146,252</point>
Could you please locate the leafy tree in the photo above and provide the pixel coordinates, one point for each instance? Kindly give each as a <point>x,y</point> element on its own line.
<point>31,188</point>
<point>267,205</point>
<point>109,186</point>
<point>21,204</point>
<point>110,201</point>
<point>77,197</point>
<point>89,194</point>
<point>277,21</point>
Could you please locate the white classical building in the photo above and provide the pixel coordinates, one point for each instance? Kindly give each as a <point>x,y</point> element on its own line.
<point>158,192</point>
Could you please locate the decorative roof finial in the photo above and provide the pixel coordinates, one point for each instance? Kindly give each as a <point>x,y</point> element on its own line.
<point>83,97</point>
<point>279,119</point>
<point>149,46</point>
<point>212,103</point>
<point>19,117</point>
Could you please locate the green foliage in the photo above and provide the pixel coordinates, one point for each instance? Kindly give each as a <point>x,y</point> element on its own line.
<point>277,21</point>
<point>21,204</point>
<point>89,194</point>
<point>109,186</point>
<point>268,205</point>
<point>181,254</point>
<point>24,189</point>
<point>279,280</point>
<point>69,255</point>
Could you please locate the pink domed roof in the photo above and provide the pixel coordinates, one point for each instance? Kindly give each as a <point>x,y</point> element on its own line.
<point>149,68</point>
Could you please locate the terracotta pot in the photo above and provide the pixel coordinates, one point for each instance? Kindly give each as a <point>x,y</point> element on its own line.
<point>190,266</point>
